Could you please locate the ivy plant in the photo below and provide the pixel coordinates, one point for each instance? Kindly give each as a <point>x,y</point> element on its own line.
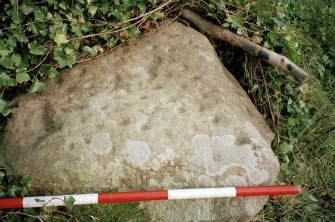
<point>37,39</point>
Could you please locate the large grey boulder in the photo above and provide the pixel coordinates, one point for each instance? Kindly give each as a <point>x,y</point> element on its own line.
<point>163,113</point>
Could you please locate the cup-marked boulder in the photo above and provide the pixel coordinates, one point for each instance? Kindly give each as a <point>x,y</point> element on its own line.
<point>163,113</point>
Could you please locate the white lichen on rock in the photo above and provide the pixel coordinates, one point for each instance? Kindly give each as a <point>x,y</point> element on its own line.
<point>206,181</point>
<point>220,153</point>
<point>101,143</point>
<point>138,152</point>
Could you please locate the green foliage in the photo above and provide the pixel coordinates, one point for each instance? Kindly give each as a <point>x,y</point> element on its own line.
<point>157,16</point>
<point>117,212</point>
<point>37,39</point>
<point>69,202</point>
<point>14,186</point>
<point>303,117</point>
<point>36,49</point>
<point>3,107</point>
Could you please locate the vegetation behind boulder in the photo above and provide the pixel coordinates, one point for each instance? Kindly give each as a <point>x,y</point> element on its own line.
<point>40,38</point>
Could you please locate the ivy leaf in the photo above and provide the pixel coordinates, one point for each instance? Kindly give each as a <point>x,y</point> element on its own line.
<point>63,5</point>
<point>133,32</point>
<point>119,15</point>
<point>3,105</point>
<point>34,60</point>
<point>33,27</point>
<point>60,39</point>
<point>153,2</point>
<point>237,20</point>
<point>5,80</point>
<point>11,42</point>
<point>24,192</point>
<point>37,86</point>
<point>98,48</point>
<point>92,10</point>
<point>285,148</point>
<point>69,202</point>
<point>142,7</point>
<point>63,59</point>
<point>26,181</point>
<point>157,16</point>
<point>11,192</point>
<point>4,111</point>
<point>87,49</point>
<point>19,35</point>
<point>70,49</point>
<point>111,42</point>
<point>36,49</point>
<point>47,70</point>
<point>7,62</point>
<point>299,181</point>
<point>310,197</point>
<point>26,9</point>
<point>52,72</point>
<point>76,29</point>
<point>94,50</point>
<point>22,76</point>
<point>39,14</point>
<point>4,49</point>
<point>16,58</point>
<point>104,8</point>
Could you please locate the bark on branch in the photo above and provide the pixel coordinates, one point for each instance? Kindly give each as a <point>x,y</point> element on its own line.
<point>270,57</point>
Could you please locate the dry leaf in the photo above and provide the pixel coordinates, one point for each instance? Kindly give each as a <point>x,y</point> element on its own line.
<point>123,34</point>
<point>256,39</point>
<point>147,25</point>
<point>129,42</point>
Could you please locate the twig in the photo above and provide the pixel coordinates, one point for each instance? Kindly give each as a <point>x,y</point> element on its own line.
<point>69,215</point>
<point>149,13</point>
<point>141,17</point>
<point>24,214</point>
<point>45,57</point>
<point>101,54</point>
<point>267,55</point>
<point>324,183</point>
<point>315,116</point>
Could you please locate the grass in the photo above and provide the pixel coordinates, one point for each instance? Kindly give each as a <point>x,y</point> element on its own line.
<point>311,165</point>
<point>302,117</point>
<point>116,212</point>
<point>305,122</point>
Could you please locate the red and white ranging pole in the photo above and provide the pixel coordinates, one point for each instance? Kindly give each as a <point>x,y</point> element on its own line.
<point>98,198</point>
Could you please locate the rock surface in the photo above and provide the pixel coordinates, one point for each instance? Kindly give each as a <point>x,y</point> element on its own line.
<point>163,113</point>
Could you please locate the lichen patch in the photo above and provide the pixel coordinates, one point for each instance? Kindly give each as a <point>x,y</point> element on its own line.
<point>138,152</point>
<point>101,143</point>
<point>218,153</point>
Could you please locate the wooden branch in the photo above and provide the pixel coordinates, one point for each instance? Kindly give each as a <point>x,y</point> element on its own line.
<point>267,55</point>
